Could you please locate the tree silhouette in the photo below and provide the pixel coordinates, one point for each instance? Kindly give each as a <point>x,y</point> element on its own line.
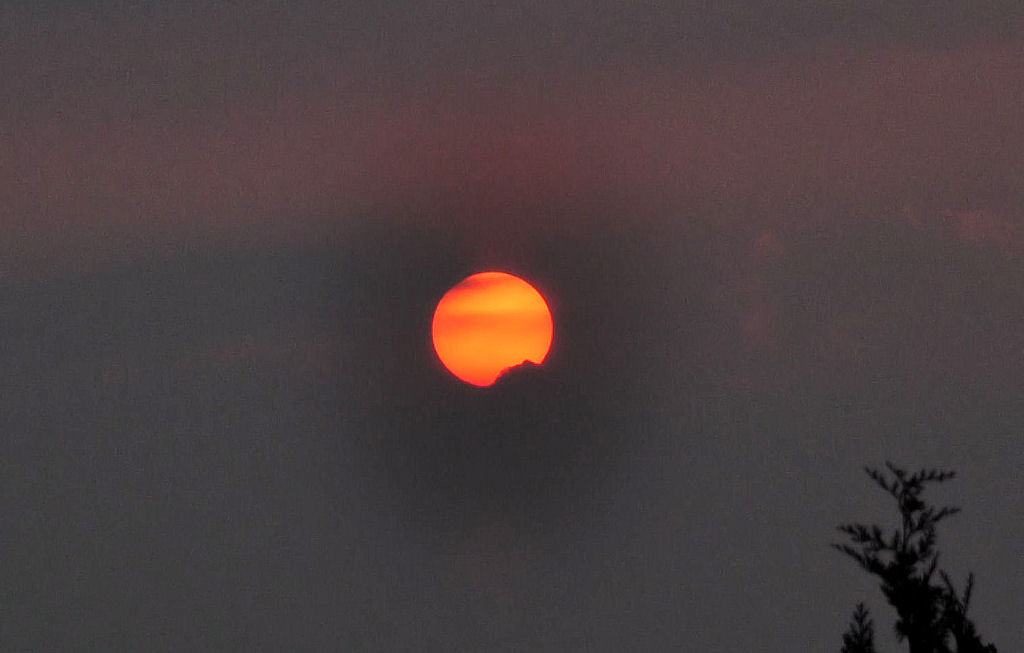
<point>929,614</point>
<point>860,638</point>
<point>960,627</point>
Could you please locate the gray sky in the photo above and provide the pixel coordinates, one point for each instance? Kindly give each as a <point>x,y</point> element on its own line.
<point>780,241</point>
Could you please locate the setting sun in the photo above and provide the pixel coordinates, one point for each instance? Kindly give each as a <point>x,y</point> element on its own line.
<point>489,322</point>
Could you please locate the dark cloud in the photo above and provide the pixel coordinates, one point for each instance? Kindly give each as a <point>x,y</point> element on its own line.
<point>782,143</point>
<point>243,448</point>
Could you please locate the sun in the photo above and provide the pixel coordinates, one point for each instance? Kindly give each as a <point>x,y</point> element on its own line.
<point>489,322</point>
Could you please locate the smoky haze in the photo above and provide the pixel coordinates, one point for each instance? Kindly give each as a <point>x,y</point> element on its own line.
<point>780,241</point>
<point>253,450</point>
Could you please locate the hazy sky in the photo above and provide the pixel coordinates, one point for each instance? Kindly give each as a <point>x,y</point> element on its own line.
<point>780,241</point>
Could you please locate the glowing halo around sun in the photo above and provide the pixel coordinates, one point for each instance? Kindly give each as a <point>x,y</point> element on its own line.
<point>489,322</point>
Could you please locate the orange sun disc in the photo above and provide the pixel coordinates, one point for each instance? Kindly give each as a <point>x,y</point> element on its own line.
<point>489,322</point>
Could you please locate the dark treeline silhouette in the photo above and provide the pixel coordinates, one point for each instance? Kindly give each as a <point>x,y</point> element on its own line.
<point>931,614</point>
<point>860,638</point>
